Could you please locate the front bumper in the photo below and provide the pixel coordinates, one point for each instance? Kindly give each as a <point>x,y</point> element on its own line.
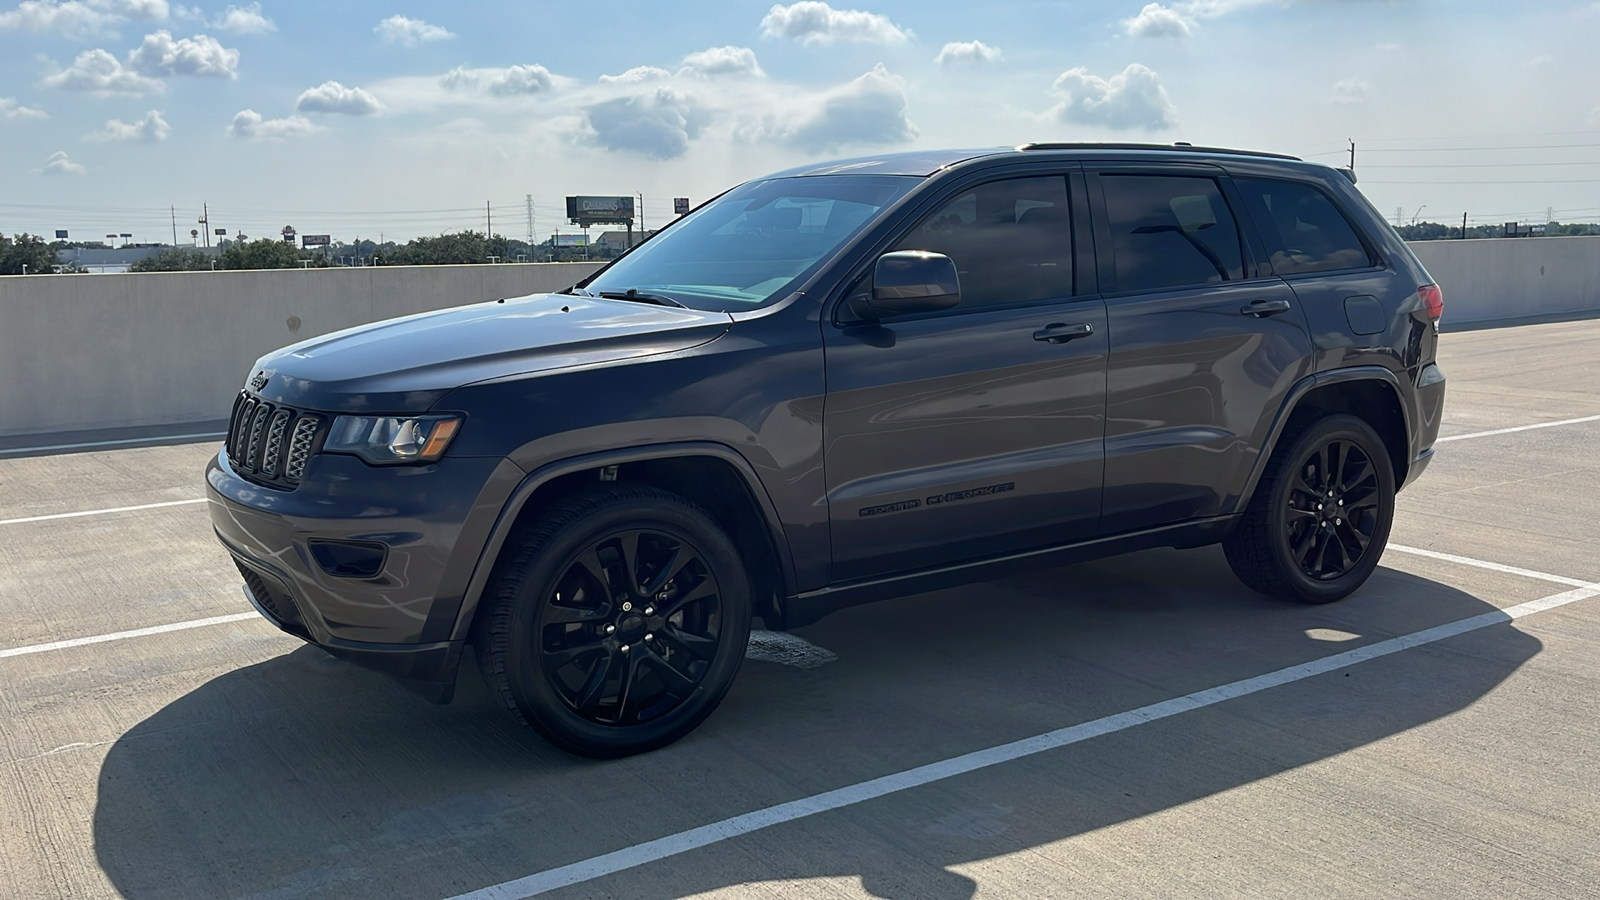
<point>431,523</point>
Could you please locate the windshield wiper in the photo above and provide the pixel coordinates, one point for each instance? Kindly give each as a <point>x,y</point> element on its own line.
<point>635,295</point>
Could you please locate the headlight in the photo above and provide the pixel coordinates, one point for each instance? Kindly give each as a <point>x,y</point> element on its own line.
<point>384,440</point>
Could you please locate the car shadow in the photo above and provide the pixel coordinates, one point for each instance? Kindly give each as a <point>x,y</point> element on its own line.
<point>306,777</point>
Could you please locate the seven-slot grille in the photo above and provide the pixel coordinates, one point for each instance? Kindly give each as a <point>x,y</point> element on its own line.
<point>271,444</point>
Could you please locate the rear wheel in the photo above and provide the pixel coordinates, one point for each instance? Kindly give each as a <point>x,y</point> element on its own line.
<point>619,622</point>
<point>1320,517</point>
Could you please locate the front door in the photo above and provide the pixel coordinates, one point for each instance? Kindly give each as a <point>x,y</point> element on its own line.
<point>1204,347</point>
<point>975,431</point>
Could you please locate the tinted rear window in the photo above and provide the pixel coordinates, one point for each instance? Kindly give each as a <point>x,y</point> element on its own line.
<point>1170,231</point>
<point>1303,230</point>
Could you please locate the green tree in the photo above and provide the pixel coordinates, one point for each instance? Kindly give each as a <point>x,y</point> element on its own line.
<point>267,253</point>
<point>28,253</point>
<point>173,259</point>
<point>458,249</point>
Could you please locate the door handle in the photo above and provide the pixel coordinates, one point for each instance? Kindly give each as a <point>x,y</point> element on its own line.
<point>1263,308</point>
<point>1058,333</point>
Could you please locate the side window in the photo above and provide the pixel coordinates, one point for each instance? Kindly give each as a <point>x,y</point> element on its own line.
<point>1303,230</point>
<point>1170,231</point>
<point>1011,240</point>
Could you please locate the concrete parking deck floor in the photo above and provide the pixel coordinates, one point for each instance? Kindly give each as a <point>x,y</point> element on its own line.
<point>228,760</point>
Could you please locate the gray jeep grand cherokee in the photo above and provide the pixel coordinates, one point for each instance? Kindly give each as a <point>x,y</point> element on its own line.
<point>836,384</point>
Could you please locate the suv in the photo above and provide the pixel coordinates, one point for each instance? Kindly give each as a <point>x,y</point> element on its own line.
<point>837,384</point>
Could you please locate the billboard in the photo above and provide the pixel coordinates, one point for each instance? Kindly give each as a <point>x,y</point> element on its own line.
<point>600,210</point>
<point>60,235</point>
<point>220,232</point>
<point>315,240</point>
<point>569,240</point>
<point>680,206</point>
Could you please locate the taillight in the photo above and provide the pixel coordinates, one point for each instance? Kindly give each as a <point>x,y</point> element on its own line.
<point>1432,300</point>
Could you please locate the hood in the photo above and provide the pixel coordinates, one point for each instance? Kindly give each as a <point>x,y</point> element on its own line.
<point>407,364</point>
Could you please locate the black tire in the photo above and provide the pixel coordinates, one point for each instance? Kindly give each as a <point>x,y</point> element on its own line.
<point>569,644</point>
<point>1319,520</point>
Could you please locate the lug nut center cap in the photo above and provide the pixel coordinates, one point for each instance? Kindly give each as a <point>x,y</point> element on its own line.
<point>630,629</point>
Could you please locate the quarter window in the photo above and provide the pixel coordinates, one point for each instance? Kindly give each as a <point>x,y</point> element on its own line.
<point>1170,231</point>
<point>1011,241</point>
<point>1303,230</point>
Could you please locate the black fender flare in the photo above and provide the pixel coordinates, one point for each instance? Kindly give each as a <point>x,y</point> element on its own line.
<point>542,475</point>
<point>1298,392</point>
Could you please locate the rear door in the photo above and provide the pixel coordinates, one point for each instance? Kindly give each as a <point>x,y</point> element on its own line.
<point>974,431</point>
<point>1204,343</point>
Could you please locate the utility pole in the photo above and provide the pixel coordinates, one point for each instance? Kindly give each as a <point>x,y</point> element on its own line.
<point>1463,226</point>
<point>641,215</point>
<point>1352,154</point>
<point>488,221</point>
<point>205,220</point>
<point>174,211</point>
<point>530,225</point>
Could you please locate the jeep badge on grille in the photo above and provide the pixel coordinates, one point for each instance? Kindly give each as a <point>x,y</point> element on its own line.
<point>260,379</point>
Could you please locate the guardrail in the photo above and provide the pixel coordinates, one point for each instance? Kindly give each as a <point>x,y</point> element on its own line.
<point>95,352</point>
<point>105,352</point>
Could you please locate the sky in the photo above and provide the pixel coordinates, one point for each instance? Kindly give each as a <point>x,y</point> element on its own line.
<point>404,119</point>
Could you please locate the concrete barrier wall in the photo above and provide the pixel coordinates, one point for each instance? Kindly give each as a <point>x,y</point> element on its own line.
<point>1521,278</point>
<point>92,352</point>
<point>87,352</point>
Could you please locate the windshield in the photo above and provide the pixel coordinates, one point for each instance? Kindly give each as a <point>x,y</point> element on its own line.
<point>749,245</point>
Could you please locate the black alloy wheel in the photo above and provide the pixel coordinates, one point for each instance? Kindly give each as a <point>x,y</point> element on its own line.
<point>616,622</point>
<point>1319,519</point>
<point>1332,510</point>
<point>630,630</point>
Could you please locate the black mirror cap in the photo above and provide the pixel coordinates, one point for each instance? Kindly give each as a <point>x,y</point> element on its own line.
<point>910,281</point>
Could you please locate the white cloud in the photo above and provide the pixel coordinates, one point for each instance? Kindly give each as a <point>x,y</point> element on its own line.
<point>1350,92</point>
<point>100,72</point>
<point>967,51</point>
<point>244,20</point>
<point>722,61</point>
<point>1132,98</point>
<point>11,110</point>
<point>148,130</point>
<point>815,22</point>
<point>333,97</point>
<point>637,75</point>
<point>659,124</point>
<point>200,55</point>
<point>410,32</point>
<point>508,82</point>
<point>249,124</point>
<point>869,111</point>
<point>58,164</point>
<point>80,18</point>
<point>1156,20</point>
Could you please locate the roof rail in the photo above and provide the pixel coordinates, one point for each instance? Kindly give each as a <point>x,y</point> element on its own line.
<point>1178,147</point>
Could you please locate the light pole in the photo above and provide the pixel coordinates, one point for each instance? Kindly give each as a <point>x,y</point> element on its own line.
<point>1418,213</point>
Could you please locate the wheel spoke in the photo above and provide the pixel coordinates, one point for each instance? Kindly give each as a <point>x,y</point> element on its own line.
<point>1297,515</point>
<point>629,673</point>
<point>681,557</point>
<point>1339,451</point>
<point>555,659</point>
<point>560,614</point>
<point>628,548</point>
<point>675,681</point>
<point>1366,473</point>
<point>1301,549</point>
<point>594,688</point>
<point>589,561</point>
<point>706,588</point>
<point>696,645</point>
<point>1351,535</point>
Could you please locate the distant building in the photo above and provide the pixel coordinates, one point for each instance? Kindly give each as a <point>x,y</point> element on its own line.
<point>617,241</point>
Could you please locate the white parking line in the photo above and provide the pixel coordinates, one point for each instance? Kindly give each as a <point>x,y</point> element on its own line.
<point>1491,566</point>
<point>125,442</point>
<point>99,512</point>
<point>121,635</point>
<point>1479,434</point>
<point>684,841</point>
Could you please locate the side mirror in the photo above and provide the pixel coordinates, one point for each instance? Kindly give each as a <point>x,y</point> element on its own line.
<point>909,281</point>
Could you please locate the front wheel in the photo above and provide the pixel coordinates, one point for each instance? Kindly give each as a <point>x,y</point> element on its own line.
<point>618,623</point>
<point>1320,518</point>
